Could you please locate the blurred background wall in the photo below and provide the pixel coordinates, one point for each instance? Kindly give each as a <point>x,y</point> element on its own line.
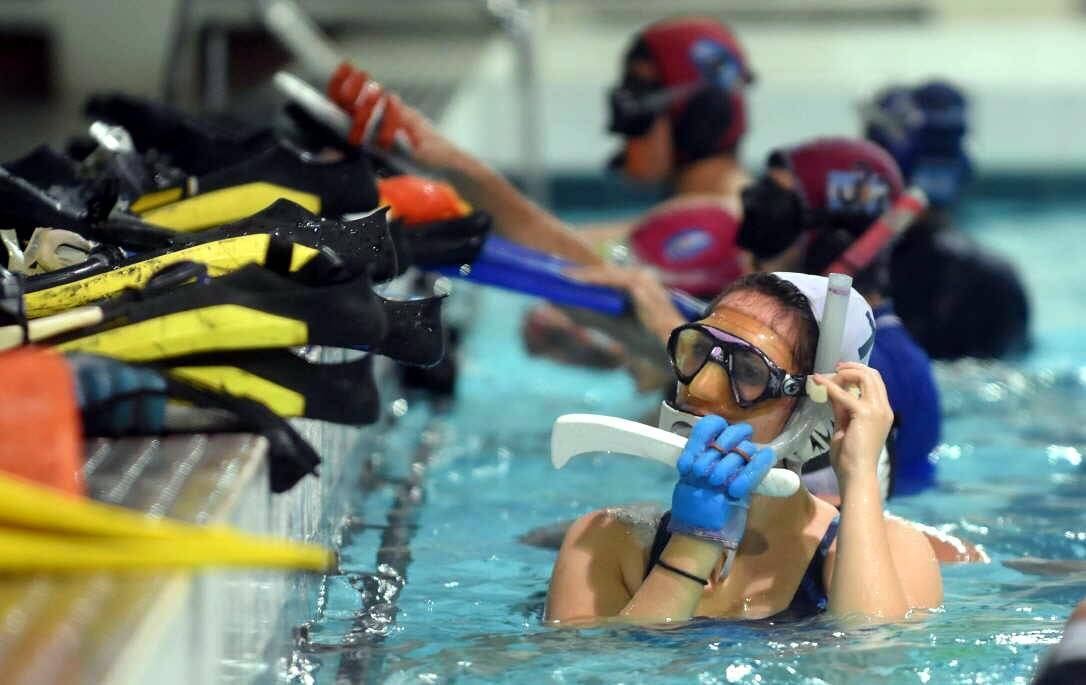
<point>474,64</point>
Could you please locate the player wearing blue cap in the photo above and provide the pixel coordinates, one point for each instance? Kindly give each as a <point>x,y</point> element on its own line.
<point>935,271</point>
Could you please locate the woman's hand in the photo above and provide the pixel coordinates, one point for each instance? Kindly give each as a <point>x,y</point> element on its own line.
<point>651,299</point>
<point>716,480</point>
<point>862,423</point>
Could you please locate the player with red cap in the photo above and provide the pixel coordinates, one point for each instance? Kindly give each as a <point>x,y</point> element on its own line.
<point>814,201</point>
<point>680,108</point>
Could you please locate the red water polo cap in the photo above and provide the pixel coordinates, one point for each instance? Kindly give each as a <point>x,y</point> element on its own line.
<point>842,175</point>
<point>699,49</point>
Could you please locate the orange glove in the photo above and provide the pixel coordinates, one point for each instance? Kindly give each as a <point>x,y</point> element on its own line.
<point>418,200</point>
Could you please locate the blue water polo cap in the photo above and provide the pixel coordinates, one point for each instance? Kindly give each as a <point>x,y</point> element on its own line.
<point>924,129</point>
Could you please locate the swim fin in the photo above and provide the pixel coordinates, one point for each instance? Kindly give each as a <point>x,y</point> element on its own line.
<point>88,212</point>
<point>199,145</point>
<point>23,551</point>
<point>363,243</point>
<point>415,334</point>
<point>220,257</point>
<point>290,457</point>
<point>329,188</point>
<point>41,529</point>
<point>450,242</point>
<point>44,167</point>
<point>118,399</point>
<point>344,392</point>
<point>252,308</point>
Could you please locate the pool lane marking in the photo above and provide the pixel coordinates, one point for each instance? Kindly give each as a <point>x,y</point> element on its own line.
<point>363,663</point>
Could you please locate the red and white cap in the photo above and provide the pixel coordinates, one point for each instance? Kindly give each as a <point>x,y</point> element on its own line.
<point>692,247</point>
<point>842,176</point>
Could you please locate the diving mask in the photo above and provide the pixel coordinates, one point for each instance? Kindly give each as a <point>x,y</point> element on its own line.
<point>754,376</point>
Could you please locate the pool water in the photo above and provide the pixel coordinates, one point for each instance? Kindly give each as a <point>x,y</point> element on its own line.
<point>1010,473</point>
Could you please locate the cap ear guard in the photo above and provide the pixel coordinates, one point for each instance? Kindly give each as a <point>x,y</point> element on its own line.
<point>704,121</point>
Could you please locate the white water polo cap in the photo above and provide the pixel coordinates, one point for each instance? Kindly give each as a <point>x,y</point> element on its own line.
<point>857,340</point>
<point>858,336</point>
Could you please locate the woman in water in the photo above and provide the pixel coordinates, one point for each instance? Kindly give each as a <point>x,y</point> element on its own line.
<point>724,552</point>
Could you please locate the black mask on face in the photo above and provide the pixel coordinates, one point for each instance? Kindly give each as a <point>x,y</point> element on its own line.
<point>633,107</point>
<point>773,218</point>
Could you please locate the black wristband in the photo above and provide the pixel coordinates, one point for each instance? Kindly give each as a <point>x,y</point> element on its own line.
<point>685,574</point>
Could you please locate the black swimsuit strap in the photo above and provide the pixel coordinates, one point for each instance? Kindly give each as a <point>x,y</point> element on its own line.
<point>810,597</point>
<point>659,542</point>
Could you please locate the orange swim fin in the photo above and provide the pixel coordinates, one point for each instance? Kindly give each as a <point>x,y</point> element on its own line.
<point>418,200</point>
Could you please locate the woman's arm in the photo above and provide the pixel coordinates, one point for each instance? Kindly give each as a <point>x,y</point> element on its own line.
<point>515,216</point>
<point>667,595</point>
<point>598,554</point>
<point>708,514</point>
<point>588,578</point>
<point>879,569</point>
<point>650,298</point>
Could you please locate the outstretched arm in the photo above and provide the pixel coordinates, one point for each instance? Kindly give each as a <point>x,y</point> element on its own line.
<point>651,300</point>
<point>515,216</point>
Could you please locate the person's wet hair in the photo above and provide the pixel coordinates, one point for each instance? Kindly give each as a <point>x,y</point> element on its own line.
<point>793,304</point>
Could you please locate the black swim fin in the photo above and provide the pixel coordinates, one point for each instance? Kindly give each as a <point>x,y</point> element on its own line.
<point>330,188</point>
<point>252,308</point>
<point>343,392</point>
<point>290,457</point>
<point>24,207</point>
<point>364,242</point>
<point>199,145</point>
<point>44,167</point>
<point>415,334</point>
<point>282,237</point>
<point>441,243</point>
<point>92,281</point>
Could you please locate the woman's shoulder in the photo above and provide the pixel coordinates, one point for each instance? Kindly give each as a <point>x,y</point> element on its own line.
<point>622,533</point>
<point>629,524</point>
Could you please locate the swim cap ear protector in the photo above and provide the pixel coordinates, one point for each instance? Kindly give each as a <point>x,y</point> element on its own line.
<point>846,333</point>
<point>773,218</point>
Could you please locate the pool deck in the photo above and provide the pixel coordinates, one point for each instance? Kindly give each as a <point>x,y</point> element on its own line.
<point>165,628</point>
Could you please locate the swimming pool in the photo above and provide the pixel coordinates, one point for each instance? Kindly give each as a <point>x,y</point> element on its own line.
<point>1011,479</point>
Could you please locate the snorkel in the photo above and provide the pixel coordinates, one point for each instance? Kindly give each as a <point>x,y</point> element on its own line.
<point>806,435</point>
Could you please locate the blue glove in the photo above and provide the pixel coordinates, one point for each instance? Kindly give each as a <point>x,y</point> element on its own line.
<point>712,496</point>
<point>118,398</point>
